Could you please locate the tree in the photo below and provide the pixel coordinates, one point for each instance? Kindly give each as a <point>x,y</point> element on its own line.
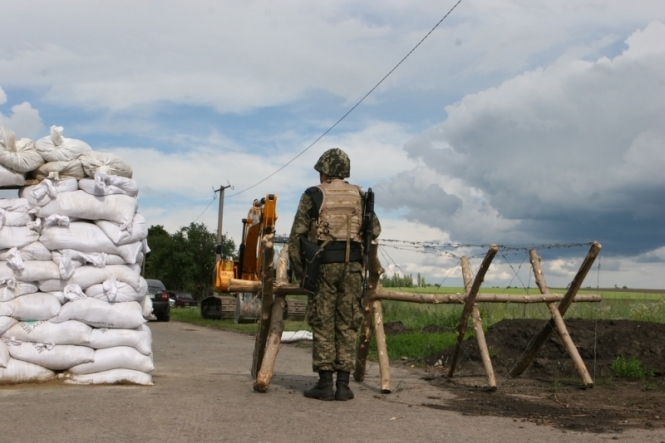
<point>184,260</point>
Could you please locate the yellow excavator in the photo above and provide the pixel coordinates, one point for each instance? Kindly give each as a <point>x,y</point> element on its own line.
<point>246,307</point>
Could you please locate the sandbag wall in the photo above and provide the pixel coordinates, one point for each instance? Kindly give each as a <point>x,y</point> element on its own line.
<point>73,304</point>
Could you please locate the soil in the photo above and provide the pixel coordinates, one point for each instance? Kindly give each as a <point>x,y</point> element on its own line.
<point>550,391</point>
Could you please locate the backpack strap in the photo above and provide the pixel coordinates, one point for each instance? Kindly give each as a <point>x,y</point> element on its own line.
<point>316,195</point>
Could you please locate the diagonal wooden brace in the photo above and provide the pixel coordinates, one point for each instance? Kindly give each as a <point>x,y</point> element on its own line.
<point>470,302</point>
<point>556,322</point>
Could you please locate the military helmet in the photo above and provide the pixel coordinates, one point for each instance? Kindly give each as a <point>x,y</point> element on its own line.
<point>334,163</point>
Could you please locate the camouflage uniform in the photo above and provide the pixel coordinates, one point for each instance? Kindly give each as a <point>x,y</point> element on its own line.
<point>334,312</point>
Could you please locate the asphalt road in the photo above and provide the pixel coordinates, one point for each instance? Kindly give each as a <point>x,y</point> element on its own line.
<point>203,393</point>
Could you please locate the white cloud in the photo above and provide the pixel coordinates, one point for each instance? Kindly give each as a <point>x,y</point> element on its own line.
<point>3,97</point>
<point>24,120</point>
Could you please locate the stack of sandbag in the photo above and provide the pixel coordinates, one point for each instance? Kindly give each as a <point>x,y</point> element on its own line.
<point>72,301</point>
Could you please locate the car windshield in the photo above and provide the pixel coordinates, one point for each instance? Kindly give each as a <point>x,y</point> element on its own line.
<point>185,295</point>
<point>154,289</point>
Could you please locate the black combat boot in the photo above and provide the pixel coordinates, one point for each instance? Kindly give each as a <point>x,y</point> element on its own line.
<point>323,390</point>
<point>343,392</point>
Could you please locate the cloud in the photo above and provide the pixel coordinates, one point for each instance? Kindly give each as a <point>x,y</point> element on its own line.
<point>569,152</point>
<point>24,120</point>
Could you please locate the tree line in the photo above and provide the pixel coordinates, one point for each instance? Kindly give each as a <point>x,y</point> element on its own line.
<point>185,260</point>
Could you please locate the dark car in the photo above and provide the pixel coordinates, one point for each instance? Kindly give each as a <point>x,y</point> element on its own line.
<point>183,299</point>
<point>160,299</point>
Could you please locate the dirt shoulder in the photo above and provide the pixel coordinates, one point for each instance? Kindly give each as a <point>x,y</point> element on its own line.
<point>203,393</point>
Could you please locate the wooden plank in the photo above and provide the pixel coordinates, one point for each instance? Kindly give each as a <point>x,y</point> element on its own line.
<point>266,303</point>
<point>383,294</point>
<point>267,368</point>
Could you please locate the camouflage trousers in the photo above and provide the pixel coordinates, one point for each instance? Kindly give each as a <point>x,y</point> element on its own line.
<point>334,313</point>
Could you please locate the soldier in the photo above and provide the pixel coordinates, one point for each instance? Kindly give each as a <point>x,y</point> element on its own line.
<point>329,220</point>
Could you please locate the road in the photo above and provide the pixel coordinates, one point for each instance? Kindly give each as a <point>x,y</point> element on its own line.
<point>203,393</point>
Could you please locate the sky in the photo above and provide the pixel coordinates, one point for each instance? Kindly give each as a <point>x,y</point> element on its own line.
<point>519,123</point>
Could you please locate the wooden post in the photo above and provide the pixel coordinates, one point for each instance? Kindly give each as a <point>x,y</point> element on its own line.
<point>267,302</point>
<point>559,324</point>
<point>267,367</point>
<point>468,306</point>
<point>381,347</point>
<point>478,327</point>
<point>367,327</point>
<point>538,341</point>
<point>480,298</point>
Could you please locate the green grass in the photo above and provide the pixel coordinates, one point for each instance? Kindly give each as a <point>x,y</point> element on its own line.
<point>631,368</point>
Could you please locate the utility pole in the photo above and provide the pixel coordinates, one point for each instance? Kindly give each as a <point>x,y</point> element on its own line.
<point>220,219</point>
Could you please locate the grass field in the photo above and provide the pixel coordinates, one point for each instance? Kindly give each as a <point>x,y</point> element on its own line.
<point>414,344</point>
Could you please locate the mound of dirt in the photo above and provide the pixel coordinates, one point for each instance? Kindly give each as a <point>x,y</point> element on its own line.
<point>549,392</point>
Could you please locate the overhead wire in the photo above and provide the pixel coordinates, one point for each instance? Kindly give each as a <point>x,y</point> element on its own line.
<point>353,107</point>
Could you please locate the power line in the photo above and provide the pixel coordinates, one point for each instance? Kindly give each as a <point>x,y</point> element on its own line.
<point>353,107</point>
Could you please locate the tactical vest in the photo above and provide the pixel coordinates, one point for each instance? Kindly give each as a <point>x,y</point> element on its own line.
<point>340,215</point>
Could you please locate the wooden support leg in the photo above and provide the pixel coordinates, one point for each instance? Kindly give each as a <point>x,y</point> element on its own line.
<point>570,346</point>
<point>266,305</point>
<point>538,341</point>
<point>274,342</point>
<point>468,305</point>
<point>381,347</point>
<point>367,327</point>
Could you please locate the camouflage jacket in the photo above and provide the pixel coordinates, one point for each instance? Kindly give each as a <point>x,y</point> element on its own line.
<point>304,225</point>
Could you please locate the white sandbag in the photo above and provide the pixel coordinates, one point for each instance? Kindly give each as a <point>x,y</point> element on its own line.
<point>11,178</point>
<point>10,288</point>
<point>31,271</point>
<point>33,251</point>
<point>47,190</point>
<point>18,371</point>
<point>80,204</point>
<point>17,237</point>
<point>55,147</point>
<point>131,252</point>
<point>117,292</point>
<point>107,163</point>
<point>6,323</point>
<point>71,332</point>
<point>294,336</point>
<point>19,156</point>
<point>65,263</point>
<point>59,170</point>
<point>119,357</point>
<point>132,232</point>
<point>79,258</point>
<point>4,354</point>
<point>112,376</point>
<point>101,314</point>
<point>33,307</point>
<point>139,338</point>
<point>60,296</point>
<point>146,307</point>
<point>104,184</point>
<point>87,276</point>
<point>80,236</point>
<point>15,212</point>
<point>49,355</point>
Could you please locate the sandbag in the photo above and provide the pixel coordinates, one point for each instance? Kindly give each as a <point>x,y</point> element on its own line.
<point>10,288</point>
<point>101,314</point>
<point>81,236</point>
<point>33,307</point>
<point>117,292</point>
<point>71,332</point>
<point>111,377</point>
<point>55,147</point>
<point>107,163</point>
<point>18,371</point>
<point>6,323</point>
<point>19,156</point>
<point>4,354</point>
<point>58,170</point>
<point>33,251</point>
<point>11,178</point>
<point>119,357</point>
<point>146,307</point>
<point>79,258</point>
<point>47,190</point>
<point>17,237</point>
<point>139,338</point>
<point>49,355</point>
<point>104,184</point>
<point>80,204</point>
<point>15,212</point>
<point>31,271</point>
<point>127,233</point>
<point>86,276</point>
